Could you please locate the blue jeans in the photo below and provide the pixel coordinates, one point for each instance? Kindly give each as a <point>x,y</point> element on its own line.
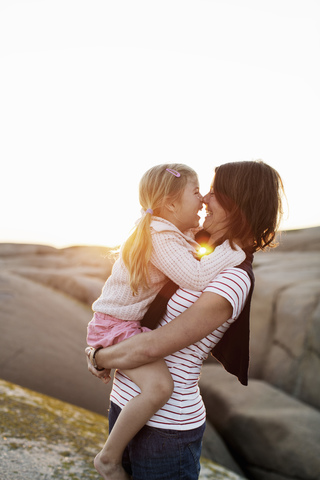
<point>158,454</point>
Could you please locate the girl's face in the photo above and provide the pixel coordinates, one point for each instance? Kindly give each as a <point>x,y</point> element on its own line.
<point>216,218</point>
<point>185,210</point>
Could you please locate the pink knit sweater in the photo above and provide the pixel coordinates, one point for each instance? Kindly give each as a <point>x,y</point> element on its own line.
<point>172,257</point>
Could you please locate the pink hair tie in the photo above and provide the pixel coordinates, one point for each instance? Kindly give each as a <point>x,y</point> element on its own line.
<point>174,172</point>
<point>149,210</point>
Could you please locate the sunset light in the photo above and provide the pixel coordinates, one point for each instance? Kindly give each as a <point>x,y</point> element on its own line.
<point>202,251</point>
<point>95,93</point>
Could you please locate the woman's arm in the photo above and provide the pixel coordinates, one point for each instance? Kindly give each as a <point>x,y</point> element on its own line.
<point>203,317</point>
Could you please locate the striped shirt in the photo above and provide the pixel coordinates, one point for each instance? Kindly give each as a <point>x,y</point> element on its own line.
<point>185,409</point>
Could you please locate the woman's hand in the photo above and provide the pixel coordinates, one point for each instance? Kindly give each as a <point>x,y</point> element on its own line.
<point>104,374</point>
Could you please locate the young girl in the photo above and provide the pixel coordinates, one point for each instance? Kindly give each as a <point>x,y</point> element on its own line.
<point>160,248</point>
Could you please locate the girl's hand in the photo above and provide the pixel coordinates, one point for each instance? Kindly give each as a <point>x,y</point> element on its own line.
<point>104,374</point>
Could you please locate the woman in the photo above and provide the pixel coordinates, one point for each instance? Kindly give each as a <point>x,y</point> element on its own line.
<point>243,206</point>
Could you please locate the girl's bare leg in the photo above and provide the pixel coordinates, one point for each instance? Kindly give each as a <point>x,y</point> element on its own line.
<point>156,385</point>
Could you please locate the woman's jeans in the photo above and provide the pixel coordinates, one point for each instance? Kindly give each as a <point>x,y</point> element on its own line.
<point>158,454</point>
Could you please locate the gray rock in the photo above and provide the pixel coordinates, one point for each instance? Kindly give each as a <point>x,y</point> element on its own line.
<point>215,449</point>
<point>272,434</point>
<point>302,240</point>
<point>285,323</point>
<point>294,357</point>
<point>42,342</point>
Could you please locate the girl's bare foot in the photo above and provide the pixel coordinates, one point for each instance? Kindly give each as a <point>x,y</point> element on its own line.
<point>110,471</point>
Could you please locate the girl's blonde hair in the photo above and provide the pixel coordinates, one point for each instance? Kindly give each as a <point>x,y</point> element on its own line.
<point>156,187</point>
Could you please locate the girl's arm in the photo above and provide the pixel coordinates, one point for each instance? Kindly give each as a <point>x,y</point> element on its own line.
<point>203,317</point>
<point>171,255</point>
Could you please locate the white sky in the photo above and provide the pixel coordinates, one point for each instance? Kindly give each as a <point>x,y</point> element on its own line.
<point>93,93</point>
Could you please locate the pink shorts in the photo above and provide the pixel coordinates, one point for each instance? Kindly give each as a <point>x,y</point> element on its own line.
<point>104,330</point>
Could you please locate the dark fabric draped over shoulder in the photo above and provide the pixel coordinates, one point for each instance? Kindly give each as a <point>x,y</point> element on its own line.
<point>233,349</point>
<point>158,307</point>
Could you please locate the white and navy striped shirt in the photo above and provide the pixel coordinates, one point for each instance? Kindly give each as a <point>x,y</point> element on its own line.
<point>185,409</point>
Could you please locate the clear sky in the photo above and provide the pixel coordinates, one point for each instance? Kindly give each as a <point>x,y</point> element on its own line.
<point>93,93</point>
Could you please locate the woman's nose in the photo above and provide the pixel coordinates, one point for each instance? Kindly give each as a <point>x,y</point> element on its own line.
<point>205,198</point>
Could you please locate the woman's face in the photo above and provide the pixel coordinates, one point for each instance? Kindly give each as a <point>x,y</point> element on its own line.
<point>216,218</point>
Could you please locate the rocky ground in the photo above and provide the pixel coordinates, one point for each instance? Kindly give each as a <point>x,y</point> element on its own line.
<point>43,438</point>
<point>266,431</point>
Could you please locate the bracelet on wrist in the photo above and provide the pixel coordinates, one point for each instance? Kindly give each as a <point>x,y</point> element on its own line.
<point>94,362</point>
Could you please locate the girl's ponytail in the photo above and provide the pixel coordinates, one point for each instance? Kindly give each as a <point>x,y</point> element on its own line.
<point>136,253</point>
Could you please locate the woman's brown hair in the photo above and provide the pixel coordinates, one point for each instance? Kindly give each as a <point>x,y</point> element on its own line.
<point>251,192</point>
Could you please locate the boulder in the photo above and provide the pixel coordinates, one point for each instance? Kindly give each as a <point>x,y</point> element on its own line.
<point>215,449</point>
<point>45,305</point>
<point>91,261</point>
<point>271,434</point>
<point>285,323</point>
<point>294,356</point>
<point>82,284</point>
<point>42,342</point>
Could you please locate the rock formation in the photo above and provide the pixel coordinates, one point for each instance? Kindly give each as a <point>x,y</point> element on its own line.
<point>45,298</point>
<point>268,430</point>
<point>272,426</point>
